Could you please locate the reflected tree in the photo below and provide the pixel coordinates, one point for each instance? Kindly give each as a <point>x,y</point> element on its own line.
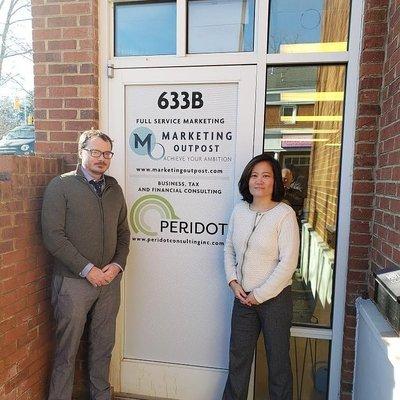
<point>13,14</point>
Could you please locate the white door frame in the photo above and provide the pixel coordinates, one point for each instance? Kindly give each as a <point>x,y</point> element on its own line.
<point>259,58</point>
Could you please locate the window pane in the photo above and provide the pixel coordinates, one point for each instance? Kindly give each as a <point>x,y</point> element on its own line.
<point>145,28</point>
<point>308,26</point>
<point>303,128</point>
<point>310,360</point>
<point>221,26</point>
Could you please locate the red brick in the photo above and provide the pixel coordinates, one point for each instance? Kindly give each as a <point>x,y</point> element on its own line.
<point>64,136</point>
<point>45,10</point>
<point>78,125</point>
<point>46,57</point>
<point>49,80</point>
<point>76,8</point>
<point>77,33</point>
<point>48,125</point>
<point>79,103</point>
<point>62,114</point>
<point>373,56</point>
<point>375,28</point>
<point>63,69</point>
<point>48,103</point>
<point>63,91</point>
<point>78,56</point>
<point>61,44</point>
<point>60,22</point>
<point>79,80</point>
<point>42,34</point>
<point>86,20</point>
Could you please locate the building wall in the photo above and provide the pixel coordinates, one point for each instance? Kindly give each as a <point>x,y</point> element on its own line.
<point>66,68</point>
<point>367,133</point>
<point>26,329</point>
<point>386,217</point>
<point>65,47</point>
<point>65,44</point>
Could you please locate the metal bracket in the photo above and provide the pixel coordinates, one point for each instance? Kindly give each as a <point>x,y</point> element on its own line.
<point>110,70</point>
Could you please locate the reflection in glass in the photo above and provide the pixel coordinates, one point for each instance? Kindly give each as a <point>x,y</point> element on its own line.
<point>308,26</point>
<point>303,128</point>
<point>145,28</point>
<point>20,140</point>
<point>310,358</point>
<point>220,26</point>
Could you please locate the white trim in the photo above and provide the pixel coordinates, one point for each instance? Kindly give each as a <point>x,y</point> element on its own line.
<point>260,46</point>
<point>181,26</point>
<point>309,58</point>
<point>104,35</point>
<point>105,13</point>
<point>189,60</point>
<point>313,333</point>
<point>346,181</point>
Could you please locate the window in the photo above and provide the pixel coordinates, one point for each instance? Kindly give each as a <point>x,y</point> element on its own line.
<point>289,114</point>
<point>308,26</point>
<point>145,28</point>
<point>220,26</point>
<point>304,113</point>
<point>310,366</point>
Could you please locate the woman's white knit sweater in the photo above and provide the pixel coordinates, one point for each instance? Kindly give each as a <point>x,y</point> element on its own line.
<point>261,249</point>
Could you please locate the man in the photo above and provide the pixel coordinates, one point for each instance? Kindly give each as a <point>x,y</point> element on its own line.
<point>294,192</point>
<point>84,224</point>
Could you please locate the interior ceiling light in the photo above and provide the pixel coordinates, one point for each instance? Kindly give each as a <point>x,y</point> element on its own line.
<point>306,131</point>
<point>303,140</point>
<point>312,96</point>
<point>312,47</point>
<point>311,118</point>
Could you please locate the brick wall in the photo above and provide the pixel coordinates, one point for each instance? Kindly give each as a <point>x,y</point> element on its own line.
<point>367,131</point>
<point>323,184</point>
<point>65,44</point>
<point>386,217</point>
<point>25,312</point>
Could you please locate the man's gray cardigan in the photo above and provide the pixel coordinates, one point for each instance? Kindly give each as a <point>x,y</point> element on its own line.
<point>80,227</point>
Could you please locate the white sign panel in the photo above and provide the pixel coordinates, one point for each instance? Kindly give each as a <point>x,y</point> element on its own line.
<point>181,143</point>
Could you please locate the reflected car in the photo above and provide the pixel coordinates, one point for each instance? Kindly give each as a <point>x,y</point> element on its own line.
<point>20,140</point>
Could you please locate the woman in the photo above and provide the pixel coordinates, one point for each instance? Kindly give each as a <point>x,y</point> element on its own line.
<point>261,253</point>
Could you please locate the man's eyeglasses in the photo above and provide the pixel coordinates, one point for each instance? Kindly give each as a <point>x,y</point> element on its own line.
<point>97,153</point>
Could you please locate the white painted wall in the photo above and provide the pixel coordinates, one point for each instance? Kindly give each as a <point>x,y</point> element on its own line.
<point>377,362</point>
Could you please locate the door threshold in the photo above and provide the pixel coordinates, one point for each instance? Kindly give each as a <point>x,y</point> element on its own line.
<point>127,396</point>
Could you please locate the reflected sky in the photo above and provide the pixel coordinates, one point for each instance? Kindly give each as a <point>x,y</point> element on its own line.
<point>293,21</point>
<point>220,26</point>
<point>145,29</point>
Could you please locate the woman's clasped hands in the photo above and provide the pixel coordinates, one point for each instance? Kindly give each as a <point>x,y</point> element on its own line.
<point>241,295</point>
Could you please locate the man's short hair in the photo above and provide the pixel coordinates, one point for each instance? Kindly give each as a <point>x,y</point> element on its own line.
<point>87,135</point>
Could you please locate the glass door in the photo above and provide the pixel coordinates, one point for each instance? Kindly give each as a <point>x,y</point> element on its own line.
<point>184,133</point>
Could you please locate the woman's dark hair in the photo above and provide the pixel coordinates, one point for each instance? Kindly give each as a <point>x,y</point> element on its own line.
<point>279,190</point>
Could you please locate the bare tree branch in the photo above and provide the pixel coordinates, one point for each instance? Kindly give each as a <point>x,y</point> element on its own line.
<point>8,55</point>
<point>20,20</point>
<point>26,6</point>
<point>14,79</point>
<point>11,45</point>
